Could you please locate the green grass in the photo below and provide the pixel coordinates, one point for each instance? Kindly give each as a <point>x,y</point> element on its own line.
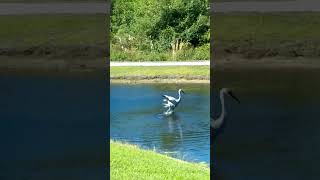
<point>130,162</point>
<point>53,35</point>
<point>163,71</point>
<point>198,53</point>
<point>267,34</point>
<point>266,27</point>
<point>39,1</point>
<point>250,0</point>
<point>52,29</point>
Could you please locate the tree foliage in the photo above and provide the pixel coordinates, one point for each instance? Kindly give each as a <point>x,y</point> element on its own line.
<point>162,25</point>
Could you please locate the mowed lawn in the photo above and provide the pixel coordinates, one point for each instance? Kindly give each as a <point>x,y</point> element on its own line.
<point>130,162</point>
<point>40,1</point>
<point>162,71</point>
<point>266,26</point>
<point>52,30</point>
<point>258,35</point>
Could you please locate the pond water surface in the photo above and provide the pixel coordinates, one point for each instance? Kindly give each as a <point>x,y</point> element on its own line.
<point>52,126</point>
<point>135,118</point>
<point>275,132</point>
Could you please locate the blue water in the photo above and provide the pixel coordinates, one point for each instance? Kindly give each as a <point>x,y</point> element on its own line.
<point>52,126</point>
<point>135,119</point>
<point>274,132</point>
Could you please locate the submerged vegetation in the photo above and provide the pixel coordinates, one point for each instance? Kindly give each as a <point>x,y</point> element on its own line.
<point>160,30</point>
<point>130,162</point>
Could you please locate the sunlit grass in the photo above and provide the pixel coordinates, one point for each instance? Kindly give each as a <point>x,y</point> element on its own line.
<point>160,71</point>
<point>198,53</point>
<point>41,1</point>
<point>266,26</point>
<point>130,162</point>
<point>203,71</point>
<point>267,34</point>
<point>52,30</point>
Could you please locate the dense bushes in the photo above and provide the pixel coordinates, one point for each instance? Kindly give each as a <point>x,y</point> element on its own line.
<point>160,30</point>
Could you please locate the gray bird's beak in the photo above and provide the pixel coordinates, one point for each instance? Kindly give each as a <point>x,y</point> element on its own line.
<point>233,96</point>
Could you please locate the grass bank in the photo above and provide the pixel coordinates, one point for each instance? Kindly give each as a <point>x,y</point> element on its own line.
<point>198,53</point>
<point>53,36</point>
<point>130,162</point>
<point>260,35</point>
<point>41,1</point>
<point>182,74</point>
<point>250,0</point>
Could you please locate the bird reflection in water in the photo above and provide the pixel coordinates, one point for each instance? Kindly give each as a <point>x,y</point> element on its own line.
<point>174,123</point>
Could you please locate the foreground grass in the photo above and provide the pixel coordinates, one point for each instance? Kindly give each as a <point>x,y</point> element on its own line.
<point>160,72</point>
<point>130,162</point>
<point>53,35</point>
<point>267,34</point>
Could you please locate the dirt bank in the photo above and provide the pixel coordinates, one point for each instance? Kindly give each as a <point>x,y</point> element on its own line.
<point>17,63</point>
<point>251,49</point>
<point>238,62</point>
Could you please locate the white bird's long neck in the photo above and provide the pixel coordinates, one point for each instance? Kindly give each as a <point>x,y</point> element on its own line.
<point>223,108</point>
<point>179,96</point>
<point>218,122</point>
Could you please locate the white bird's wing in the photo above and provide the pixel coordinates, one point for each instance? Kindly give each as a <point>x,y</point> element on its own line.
<point>168,105</point>
<point>170,98</point>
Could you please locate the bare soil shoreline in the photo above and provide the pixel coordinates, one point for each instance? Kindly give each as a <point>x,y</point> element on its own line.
<point>236,62</point>
<point>40,64</point>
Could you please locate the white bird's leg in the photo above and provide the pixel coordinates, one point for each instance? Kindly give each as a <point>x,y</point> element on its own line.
<point>168,110</point>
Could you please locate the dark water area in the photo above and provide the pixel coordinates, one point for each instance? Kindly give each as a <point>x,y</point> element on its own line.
<point>274,132</point>
<point>135,118</point>
<point>53,126</point>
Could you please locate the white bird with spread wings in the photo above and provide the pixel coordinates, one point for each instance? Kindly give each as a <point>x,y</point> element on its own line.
<point>170,103</point>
